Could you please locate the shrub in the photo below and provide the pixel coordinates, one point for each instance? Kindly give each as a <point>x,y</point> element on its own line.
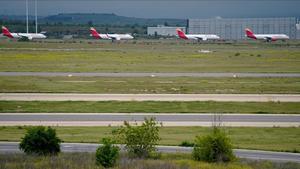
<point>107,154</point>
<point>41,141</point>
<point>215,147</point>
<point>139,141</point>
<point>186,144</point>
<point>237,54</point>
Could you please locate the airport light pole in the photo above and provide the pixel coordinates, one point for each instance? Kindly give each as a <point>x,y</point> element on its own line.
<point>36,24</point>
<point>27,16</point>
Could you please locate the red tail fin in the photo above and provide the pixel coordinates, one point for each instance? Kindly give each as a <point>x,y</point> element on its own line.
<point>181,34</point>
<point>94,33</point>
<point>249,33</point>
<point>6,32</point>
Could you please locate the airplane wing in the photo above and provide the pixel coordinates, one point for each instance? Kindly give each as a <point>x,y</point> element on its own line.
<point>199,38</point>
<point>268,38</point>
<point>25,36</point>
<point>114,37</point>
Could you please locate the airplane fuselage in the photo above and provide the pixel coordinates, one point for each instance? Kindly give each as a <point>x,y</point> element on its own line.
<point>116,36</point>
<point>202,36</point>
<point>30,36</point>
<point>271,36</point>
<point>267,37</point>
<point>198,37</point>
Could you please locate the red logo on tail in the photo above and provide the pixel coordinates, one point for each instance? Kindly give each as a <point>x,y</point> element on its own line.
<point>94,33</point>
<point>6,32</point>
<point>181,34</point>
<point>250,34</point>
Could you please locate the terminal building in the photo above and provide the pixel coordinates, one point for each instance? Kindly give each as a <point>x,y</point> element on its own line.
<point>162,30</point>
<point>233,29</point>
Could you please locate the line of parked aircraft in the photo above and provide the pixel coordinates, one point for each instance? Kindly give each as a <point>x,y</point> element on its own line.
<point>180,33</point>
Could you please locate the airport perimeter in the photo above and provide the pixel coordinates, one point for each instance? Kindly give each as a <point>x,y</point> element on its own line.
<point>91,87</point>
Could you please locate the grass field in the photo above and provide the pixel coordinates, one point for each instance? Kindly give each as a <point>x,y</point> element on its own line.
<point>242,137</point>
<point>148,56</point>
<point>148,107</point>
<point>149,85</point>
<point>167,161</point>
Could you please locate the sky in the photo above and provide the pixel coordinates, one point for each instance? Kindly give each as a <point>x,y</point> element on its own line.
<point>159,8</point>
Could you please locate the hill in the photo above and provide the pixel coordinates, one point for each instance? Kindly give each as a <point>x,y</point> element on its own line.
<point>99,19</point>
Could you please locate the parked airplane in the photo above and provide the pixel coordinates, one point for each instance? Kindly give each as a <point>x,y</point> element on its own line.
<point>266,37</point>
<point>28,36</point>
<point>198,37</point>
<point>97,35</point>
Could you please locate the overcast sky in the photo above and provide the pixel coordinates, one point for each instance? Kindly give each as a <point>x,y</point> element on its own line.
<point>160,8</point>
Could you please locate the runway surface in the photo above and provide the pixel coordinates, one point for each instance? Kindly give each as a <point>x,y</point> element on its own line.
<point>12,147</point>
<point>94,74</point>
<point>168,119</point>
<point>150,97</point>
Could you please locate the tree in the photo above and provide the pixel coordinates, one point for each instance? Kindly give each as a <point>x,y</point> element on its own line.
<point>107,154</point>
<point>41,141</point>
<point>139,141</point>
<point>215,147</point>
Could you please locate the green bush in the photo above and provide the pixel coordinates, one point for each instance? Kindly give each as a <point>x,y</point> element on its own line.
<point>107,154</point>
<point>139,141</point>
<point>41,141</point>
<point>186,144</point>
<point>215,147</point>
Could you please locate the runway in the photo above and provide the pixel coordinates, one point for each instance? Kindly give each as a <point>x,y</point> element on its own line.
<point>150,97</point>
<point>12,147</point>
<point>111,74</point>
<point>167,119</point>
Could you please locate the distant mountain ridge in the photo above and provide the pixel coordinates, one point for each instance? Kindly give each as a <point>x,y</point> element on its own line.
<point>99,19</point>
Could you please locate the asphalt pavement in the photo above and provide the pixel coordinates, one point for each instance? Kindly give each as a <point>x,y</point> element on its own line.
<point>146,74</point>
<point>12,147</point>
<point>168,119</point>
<point>150,97</point>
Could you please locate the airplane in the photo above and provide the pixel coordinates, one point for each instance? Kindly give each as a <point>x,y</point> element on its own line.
<point>266,37</point>
<point>198,37</point>
<point>28,36</point>
<point>112,37</point>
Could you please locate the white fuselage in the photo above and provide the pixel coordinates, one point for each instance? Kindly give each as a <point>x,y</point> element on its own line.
<point>116,36</point>
<point>203,36</point>
<point>271,36</point>
<point>30,36</point>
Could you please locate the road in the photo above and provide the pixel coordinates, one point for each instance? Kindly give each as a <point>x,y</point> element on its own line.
<point>12,147</point>
<point>168,119</point>
<point>94,74</point>
<point>150,97</point>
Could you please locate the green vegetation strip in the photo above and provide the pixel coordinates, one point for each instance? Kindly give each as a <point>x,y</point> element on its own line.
<point>166,161</point>
<point>150,85</point>
<point>148,107</point>
<point>145,56</point>
<point>242,137</point>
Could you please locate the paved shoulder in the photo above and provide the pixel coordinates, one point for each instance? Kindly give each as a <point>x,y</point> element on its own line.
<point>137,74</point>
<point>168,119</point>
<point>150,97</point>
<point>12,147</point>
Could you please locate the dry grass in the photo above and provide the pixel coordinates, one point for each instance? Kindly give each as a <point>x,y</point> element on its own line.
<point>167,161</point>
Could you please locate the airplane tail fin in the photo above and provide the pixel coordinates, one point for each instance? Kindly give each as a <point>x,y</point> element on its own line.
<point>94,33</point>
<point>6,32</point>
<point>249,33</point>
<point>181,34</point>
